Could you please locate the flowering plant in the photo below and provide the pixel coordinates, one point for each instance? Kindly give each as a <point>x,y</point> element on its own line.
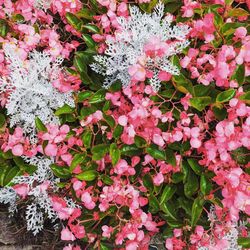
<point>127,124</point>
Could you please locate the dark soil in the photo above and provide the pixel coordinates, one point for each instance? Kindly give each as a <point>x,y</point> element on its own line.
<point>14,235</point>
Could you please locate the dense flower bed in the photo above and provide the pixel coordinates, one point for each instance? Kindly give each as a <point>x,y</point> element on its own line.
<point>125,121</point>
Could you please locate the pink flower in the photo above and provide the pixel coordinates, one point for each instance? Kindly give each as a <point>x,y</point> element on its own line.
<point>87,200</point>
<point>157,139</point>
<point>22,190</point>
<point>17,150</point>
<point>137,73</point>
<point>240,32</point>
<point>67,235</point>
<point>188,8</point>
<point>158,179</point>
<point>51,150</point>
<point>107,231</point>
<point>123,120</point>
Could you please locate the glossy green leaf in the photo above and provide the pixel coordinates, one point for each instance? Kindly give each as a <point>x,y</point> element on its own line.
<point>245,97</point>
<point>148,182</point>
<point>192,184</point>
<point>115,154</point>
<point>226,95</point>
<point>89,40</point>
<point>65,109</point>
<point>2,120</point>
<point>153,204</point>
<point>205,185</point>
<point>9,174</point>
<point>193,163</point>
<point>196,210</point>
<point>87,138</point>
<point>92,28</point>
<point>98,97</point>
<point>77,160</point>
<point>99,151</point>
<point>74,21</point>
<point>118,131</point>
<point>244,242</point>
<point>130,150</point>
<point>239,74</point>
<point>39,125</point>
<point>4,28</point>
<point>167,193</point>
<point>60,171</point>
<point>237,12</point>
<point>88,175</point>
<point>200,103</point>
<point>140,142</point>
<point>170,156</point>
<point>156,153</point>
<point>86,13</point>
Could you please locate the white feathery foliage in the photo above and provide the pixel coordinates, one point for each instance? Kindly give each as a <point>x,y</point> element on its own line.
<point>31,93</point>
<point>41,206</point>
<point>8,196</point>
<point>127,46</point>
<point>42,4</point>
<point>231,236</point>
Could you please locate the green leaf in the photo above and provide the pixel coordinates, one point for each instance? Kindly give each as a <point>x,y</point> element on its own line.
<point>78,159</point>
<point>239,74</point>
<point>192,184</point>
<point>91,27</point>
<point>65,109</point>
<point>79,63</point>
<point>241,155</point>
<point>205,185</point>
<point>110,120</point>
<point>39,125</point>
<point>244,242</point>
<point>61,172</point>
<point>140,142</point>
<point>220,113</point>
<point>115,154</point>
<point>201,90</point>
<point>196,210</point>
<point>130,150</point>
<point>170,156</point>
<point>148,7</point>
<point>98,97</point>
<point>167,193</point>
<point>155,152</point>
<point>117,131</point>
<point>237,12</point>
<point>225,96</point>
<point>183,84</point>
<point>89,41</point>
<point>169,209</point>
<point>11,172</point>
<point>88,175</point>
<point>4,28</point>
<point>104,246</point>
<point>245,97</point>
<point>195,166</point>
<point>177,177</point>
<point>148,182</point>
<point>74,21</point>
<point>86,13</point>
<point>153,204</point>
<point>107,180</point>
<point>87,138</point>
<point>99,151</point>
<point>200,103</point>
<point>2,120</point>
